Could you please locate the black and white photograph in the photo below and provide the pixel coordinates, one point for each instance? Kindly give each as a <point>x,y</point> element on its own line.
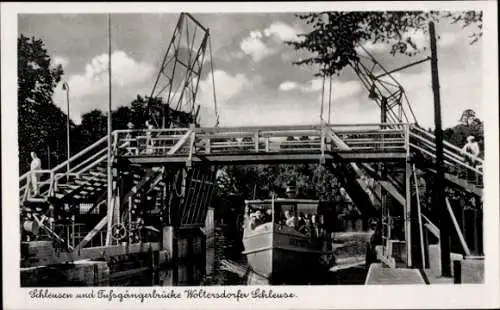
<point>270,150</point>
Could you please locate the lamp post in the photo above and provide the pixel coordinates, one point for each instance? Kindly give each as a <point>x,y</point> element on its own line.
<point>65,86</point>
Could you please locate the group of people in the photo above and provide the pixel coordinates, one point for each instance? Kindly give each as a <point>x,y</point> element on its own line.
<point>131,143</point>
<point>305,223</point>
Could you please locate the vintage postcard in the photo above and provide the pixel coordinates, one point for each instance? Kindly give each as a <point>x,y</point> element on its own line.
<point>250,155</point>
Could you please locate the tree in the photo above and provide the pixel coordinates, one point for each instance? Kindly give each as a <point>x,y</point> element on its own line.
<point>469,118</point>
<point>93,126</point>
<point>469,125</point>
<point>336,35</point>
<point>41,125</point>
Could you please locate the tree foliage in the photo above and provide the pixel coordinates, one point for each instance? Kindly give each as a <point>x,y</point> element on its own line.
<point>470,125</point>
<point>335,36</point>
<point>42,125</point>
<point>313,181</point>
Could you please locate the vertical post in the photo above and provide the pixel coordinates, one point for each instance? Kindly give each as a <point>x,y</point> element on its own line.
<point>130,202</point>
<point>109,172</point>
<point>383,110</point>
<point>322,142</point>
<point>67,132</point>
<point>48,157</point>
<point>330,101</point>
<point>419,218</point>
<point>322,100</point>
<point>439,203</point>
<point>256,141</point>
<point>407,215</point>
<point>383,170</point>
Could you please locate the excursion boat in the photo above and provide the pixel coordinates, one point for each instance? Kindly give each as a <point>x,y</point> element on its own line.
<point>275,250</point>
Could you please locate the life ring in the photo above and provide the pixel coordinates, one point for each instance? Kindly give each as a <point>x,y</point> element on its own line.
<point>118,231</point>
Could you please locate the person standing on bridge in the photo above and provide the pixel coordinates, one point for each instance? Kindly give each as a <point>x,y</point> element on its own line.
<point>471,151</point>
<point>149,140</point>
<point>36,164</point>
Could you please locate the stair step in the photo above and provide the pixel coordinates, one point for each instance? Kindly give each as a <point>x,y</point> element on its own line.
<point>91,178</point>
<point>72,186</point>
<point>98,174</point>
<point>81,182</point>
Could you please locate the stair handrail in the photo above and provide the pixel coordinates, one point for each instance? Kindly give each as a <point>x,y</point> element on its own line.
<point>54,171</point>
<point>432,145</point>
<point>449,145</point>
<point>434,229</point>
<point>65,163</point>
<point>419,215</point>
<point>448,162</point>
<point>90,159</point>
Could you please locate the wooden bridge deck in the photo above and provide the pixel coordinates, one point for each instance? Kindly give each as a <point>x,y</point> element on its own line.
<point>281,157</point>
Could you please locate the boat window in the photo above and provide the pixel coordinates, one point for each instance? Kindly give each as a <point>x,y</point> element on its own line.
<point>259,214</point>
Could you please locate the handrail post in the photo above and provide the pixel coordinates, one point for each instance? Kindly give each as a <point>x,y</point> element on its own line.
<point>51,184</point>
<point>256,141</point>
<point>27,192</point>
<point>191,147</point>
<point>208,146</point>
<point>322,142</point>
<point>406,133</point>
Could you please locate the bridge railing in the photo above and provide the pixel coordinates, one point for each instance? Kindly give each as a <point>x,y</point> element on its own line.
<point>376,137</point>
<point>260,139</point>
<point>137,142</point>
<point>455,159</point>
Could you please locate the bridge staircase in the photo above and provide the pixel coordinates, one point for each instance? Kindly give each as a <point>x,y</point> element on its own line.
<point>73,201</point>
<point>463,205</point>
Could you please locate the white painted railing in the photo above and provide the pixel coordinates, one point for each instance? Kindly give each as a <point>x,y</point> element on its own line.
<point>453,156</point>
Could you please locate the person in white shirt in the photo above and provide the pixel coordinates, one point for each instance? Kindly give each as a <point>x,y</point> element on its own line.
<point>149,140</point>
<point>290,220</point>
<point>471,148</point>
<point>36,164</point>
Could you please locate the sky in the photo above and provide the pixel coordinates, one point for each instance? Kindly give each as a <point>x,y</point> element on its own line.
<point>255,80</point>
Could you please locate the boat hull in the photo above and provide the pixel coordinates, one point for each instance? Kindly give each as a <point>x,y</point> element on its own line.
<point>281,255</point>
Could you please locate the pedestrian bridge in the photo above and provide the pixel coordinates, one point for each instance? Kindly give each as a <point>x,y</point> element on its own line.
<point>351,143</point>
<point>249,145</point>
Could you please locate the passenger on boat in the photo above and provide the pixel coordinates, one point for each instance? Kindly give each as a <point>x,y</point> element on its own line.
<point>307,227</point>
<point>256,219</point>
<point>268,217</point>
<point>301,220</point>
<point>318,228</point>
<point>290,220</point>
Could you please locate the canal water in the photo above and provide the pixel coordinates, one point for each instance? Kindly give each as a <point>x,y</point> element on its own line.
<point>224,264</point>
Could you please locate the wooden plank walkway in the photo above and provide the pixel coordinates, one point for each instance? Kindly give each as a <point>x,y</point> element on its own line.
<point>379,274</point>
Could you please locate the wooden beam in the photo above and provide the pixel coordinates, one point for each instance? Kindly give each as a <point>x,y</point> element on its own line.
<point>102,252</point>
<point>391,189</point>
<point>180,143</point>
<point>457,228</point>
<point>251,158</point>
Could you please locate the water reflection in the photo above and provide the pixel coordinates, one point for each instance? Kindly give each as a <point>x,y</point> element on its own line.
<point>223,264</point>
